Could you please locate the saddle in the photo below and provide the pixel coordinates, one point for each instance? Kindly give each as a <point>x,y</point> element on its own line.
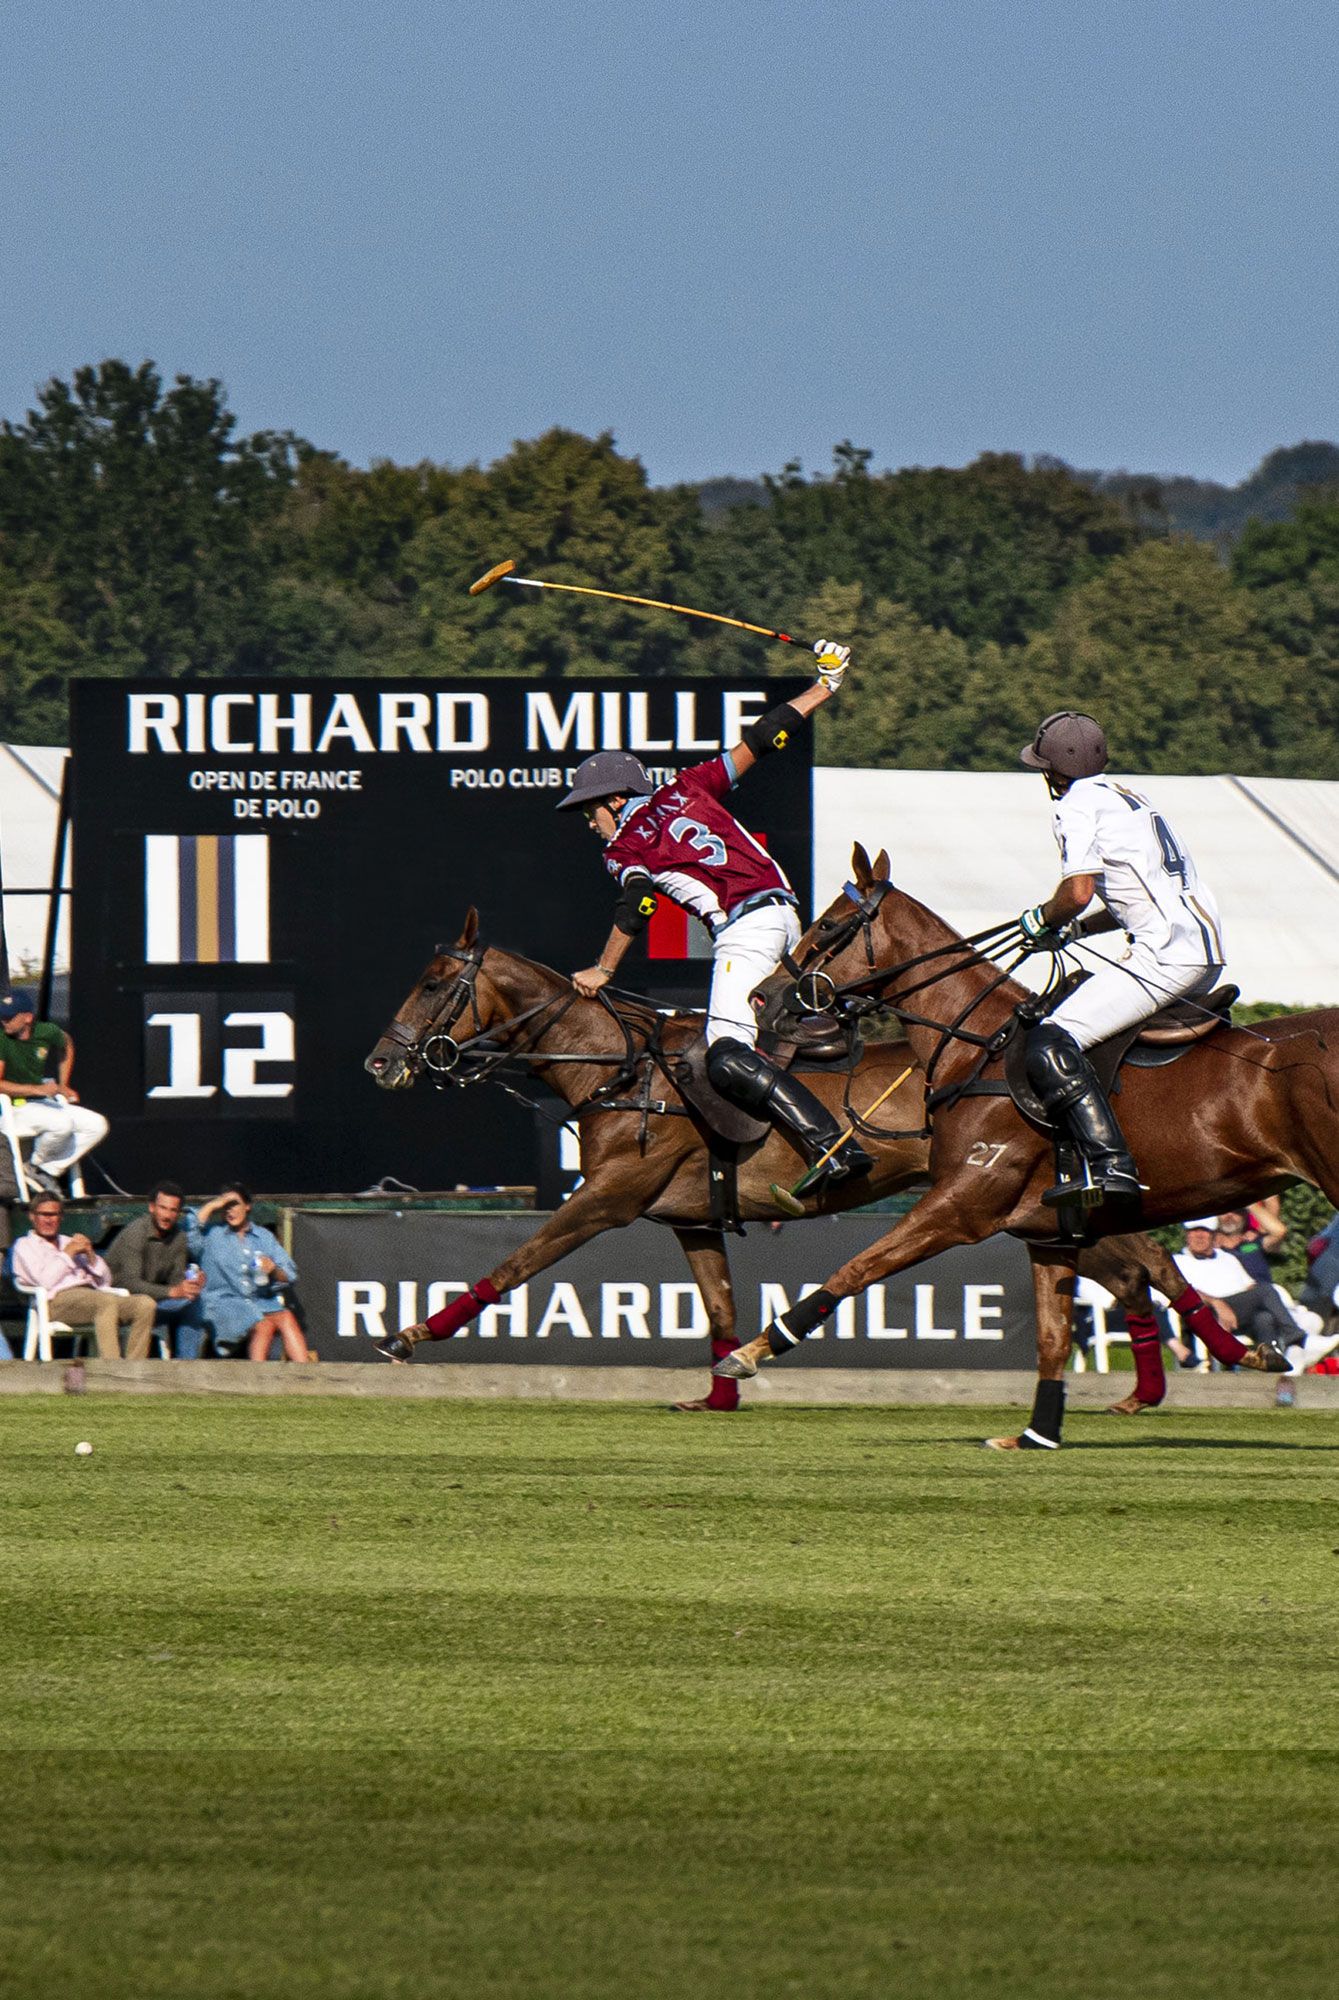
<point>813,1042</point>
<point>1152,1044</point>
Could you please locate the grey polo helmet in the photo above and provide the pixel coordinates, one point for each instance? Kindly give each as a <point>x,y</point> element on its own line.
<point>1068,744</point>
<point>604,776</point>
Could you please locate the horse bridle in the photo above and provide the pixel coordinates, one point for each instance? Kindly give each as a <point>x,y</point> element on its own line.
<point>452,1063</point>
<point>433,1046</point>
<point>835,933</point>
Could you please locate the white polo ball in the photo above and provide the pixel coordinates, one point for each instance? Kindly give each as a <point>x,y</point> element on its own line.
<point>83,1450</point>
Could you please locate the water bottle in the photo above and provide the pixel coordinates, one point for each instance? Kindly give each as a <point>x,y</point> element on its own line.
<point>255,1268</point>
<point>1285,1396</point>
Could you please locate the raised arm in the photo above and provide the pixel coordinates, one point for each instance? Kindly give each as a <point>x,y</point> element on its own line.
<point>772,731</point>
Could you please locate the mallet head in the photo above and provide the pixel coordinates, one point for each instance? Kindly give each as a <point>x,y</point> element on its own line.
<point>492,576</point>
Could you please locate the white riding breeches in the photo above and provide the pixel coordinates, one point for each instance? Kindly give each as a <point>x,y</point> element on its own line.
<point>63,1133</point>
<point>745,953</point>
<point>1128,990</point>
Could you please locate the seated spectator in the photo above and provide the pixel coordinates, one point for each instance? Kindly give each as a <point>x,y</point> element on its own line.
<point>151,1256</point>
<point>1256,1310</point>
<point>1233,1236</point>
<point>1265,1227</point>
<point>243,1265</point>
<point>36,1058</point>
<point>78,1283</point>
<point>1321,1290</point>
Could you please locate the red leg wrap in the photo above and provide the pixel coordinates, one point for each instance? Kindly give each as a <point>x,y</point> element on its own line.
<point>723,1395</point>
<point>461,1311</point>
<point>1150,1378</point>
<point>1205,1325</point>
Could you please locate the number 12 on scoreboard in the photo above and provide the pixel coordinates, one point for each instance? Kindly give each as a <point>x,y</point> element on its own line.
<point>236,1052</point>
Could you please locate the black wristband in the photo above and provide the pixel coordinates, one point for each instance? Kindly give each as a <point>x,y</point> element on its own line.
<point>771,731</point>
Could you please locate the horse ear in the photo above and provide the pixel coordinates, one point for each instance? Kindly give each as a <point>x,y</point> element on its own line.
<point>860,868</point>
<point>883,867</point>
<point>471,929</point>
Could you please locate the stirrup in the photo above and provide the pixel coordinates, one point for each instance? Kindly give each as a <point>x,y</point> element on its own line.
<point>1091,1186</point>
<point>847,1164</point>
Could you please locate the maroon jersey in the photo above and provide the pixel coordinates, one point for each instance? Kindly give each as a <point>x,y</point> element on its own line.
<point>695,851</point>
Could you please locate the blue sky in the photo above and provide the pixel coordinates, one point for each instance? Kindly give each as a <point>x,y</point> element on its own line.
<point>732,234</point>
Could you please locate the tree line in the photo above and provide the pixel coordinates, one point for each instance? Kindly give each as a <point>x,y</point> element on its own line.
<point>140,533</point>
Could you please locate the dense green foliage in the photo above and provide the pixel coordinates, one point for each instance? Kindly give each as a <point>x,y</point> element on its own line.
<point>374,1700</point>
<point>140,534</point>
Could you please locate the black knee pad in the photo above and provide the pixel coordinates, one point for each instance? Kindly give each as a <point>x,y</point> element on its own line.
<point>1056,1066</point>
<point>741,1074</point>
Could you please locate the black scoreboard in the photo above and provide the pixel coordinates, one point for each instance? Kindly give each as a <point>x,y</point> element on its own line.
<point>262,868</point>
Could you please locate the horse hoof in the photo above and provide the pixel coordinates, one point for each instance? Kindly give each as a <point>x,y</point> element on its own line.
<point>398,1347</point>
<point>1003,1444</point>
<point>734,1368</point>
<point>1129,1406</point>
<point>1266,1360</point>
<point>705,1403</point>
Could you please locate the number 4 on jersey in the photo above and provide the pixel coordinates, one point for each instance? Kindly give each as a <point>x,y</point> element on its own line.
<point>1172,858</point>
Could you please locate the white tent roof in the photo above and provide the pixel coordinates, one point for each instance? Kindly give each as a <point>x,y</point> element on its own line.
<point>977,847</point>
<point>29,800</point>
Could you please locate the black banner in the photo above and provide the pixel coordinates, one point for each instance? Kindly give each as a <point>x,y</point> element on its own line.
<point>627,1297</point>
<point>264,868</point>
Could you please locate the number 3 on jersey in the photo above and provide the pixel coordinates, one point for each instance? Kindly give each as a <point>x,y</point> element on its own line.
<point>1172,858</point>
<point>709,845</point>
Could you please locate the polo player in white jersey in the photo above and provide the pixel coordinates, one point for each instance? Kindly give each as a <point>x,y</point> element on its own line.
<point>1116,846</point>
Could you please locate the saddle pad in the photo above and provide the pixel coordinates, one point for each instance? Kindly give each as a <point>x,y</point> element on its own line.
<point>686,1068</point>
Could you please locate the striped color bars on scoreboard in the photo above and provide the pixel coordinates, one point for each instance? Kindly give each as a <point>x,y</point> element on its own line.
<point>206,899</point>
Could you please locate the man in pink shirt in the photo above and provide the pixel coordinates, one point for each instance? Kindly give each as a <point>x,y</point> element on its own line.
<point>78,1284</point>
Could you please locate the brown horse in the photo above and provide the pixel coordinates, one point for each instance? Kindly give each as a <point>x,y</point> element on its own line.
<point>477,1012</point>
<point>1241,1114</point>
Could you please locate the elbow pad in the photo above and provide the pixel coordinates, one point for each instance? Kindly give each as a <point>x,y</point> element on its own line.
<point>636,906</point>
<point>771,731</point>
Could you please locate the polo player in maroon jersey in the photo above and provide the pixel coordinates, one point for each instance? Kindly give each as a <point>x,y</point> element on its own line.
<point>681,841</point>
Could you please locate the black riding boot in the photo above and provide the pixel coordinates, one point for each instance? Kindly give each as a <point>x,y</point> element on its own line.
<point>1064,1080</point>
<point>750,1081</point>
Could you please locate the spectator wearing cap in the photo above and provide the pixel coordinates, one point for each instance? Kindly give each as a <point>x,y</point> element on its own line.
<point>1257,1311</point>
<point>150,1255</point>
<point>78,1283</point>
<point>244,1266</point>
<point>1233,1235</point>
<point>36,1058</point>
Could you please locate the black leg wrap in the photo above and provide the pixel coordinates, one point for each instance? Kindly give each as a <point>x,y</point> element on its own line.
<point>791,1328</point>
<point>1048,1414</point>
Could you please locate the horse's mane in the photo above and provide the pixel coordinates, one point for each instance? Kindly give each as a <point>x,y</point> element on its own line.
<point>636,1009</point>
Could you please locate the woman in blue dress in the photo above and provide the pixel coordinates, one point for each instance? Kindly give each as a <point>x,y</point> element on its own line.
<point>243,1267</point>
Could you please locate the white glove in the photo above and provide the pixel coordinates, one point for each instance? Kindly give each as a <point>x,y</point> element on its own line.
<point>833,661</point>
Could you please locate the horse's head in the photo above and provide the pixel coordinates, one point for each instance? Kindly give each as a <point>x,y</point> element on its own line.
<point>449,994</point>
<point>836,948</point>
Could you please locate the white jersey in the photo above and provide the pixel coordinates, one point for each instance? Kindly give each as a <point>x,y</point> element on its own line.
<point>1144,874</point>
<point>1220,1275</point>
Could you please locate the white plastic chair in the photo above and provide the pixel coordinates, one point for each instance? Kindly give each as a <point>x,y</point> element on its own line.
<point>10,1132</point>
<point>1099,1301</point>
<point>39,1327</point>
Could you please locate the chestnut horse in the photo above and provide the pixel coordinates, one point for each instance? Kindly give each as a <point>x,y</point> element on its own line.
<point>1241,1114</point>
<point>477,1012</point>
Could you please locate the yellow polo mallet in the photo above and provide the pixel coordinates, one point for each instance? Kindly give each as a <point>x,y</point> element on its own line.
<point>503,573</point>
<point>789,1198</point>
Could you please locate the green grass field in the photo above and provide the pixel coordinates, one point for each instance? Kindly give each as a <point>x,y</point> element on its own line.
<point>412,1699</point>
